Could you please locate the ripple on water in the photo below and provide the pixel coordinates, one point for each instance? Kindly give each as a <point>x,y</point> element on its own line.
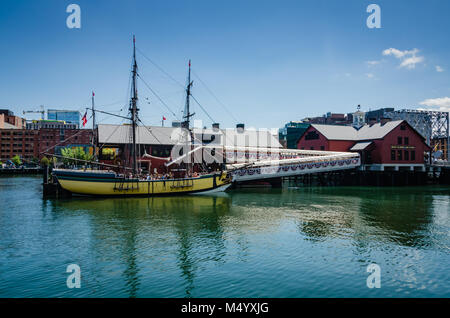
<point>296,242</point>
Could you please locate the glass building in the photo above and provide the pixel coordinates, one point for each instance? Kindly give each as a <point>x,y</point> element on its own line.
<point>69,116</point>
<point>291,133</point>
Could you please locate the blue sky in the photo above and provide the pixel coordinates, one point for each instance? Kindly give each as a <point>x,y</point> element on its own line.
<point>268,62</point>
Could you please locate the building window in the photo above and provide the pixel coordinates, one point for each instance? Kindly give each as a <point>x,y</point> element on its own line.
<point>393,155</point>
<point>403,127</point>
<point>399,140</point>
<point>413,155</point>
<point>322,147</point>
<point>406,155</point>
<point>399,155</point>
<point>406,140</point>
<point>312,148</point>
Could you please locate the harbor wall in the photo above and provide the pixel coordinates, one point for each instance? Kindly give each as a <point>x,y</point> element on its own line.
<point>20,171</point>
<point>356,177</point>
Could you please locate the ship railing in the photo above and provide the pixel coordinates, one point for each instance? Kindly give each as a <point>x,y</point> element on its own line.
<point>182,183</point>
<point>123,184</point>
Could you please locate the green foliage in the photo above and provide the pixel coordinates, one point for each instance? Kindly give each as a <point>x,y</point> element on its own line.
<point>108,153</point>
<point>75,153</point>
<point>16,160</point>
<point>45,162</point>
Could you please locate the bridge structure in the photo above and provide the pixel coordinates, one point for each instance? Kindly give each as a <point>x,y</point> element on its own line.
<point>288,163</point>
<point>256,163</point>
<point>431,124</point>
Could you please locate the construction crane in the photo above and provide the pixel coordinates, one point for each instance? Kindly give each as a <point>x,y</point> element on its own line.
<point>42,112</point>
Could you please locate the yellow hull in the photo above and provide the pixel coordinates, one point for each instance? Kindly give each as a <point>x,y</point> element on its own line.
<point>76,183</point>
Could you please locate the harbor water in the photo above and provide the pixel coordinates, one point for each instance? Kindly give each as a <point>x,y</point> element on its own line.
<point>290,242</point>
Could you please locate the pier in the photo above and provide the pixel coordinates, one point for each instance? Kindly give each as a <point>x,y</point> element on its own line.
<point>51,187</point>
<point>356,177</point>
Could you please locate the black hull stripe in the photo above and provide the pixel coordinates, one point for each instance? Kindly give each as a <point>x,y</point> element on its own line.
<point>84,179</point>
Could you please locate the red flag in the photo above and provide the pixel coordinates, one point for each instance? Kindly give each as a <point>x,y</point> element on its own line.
<point>84,119</point>
<point>93,94</point>
<point>164,118</point>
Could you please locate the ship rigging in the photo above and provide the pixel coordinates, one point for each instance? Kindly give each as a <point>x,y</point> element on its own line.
<point>110,183</point>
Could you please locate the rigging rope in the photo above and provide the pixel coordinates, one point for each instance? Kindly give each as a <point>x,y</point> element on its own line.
<point>213,95</point>
<point>202,108</point>
<point>149,130</point>
<point>54,146</point>
<point>160,68</point>
<point>157,96</point>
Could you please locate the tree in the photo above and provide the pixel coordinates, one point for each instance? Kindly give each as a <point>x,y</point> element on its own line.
<point>16,160</point>
<point>75,153</point>
<point>45,162</point>
<point>108,153</point>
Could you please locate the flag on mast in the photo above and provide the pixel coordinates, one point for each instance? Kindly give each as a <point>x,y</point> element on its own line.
<point>84,119</point>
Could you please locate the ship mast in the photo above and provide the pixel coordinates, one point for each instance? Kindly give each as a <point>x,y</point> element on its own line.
<point>93,127</point>
<point>187,117</point>
<point>133,108</point>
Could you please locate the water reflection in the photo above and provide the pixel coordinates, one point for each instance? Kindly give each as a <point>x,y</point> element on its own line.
<point>401,216</point>
<point>181,246</point>
<point>129,226</point>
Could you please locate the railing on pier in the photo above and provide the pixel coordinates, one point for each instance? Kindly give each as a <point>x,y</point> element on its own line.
<point>319,161</point>
<point>253,163</point>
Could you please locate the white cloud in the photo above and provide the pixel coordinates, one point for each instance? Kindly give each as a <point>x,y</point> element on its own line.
<point>399,54</point>
<point>373,63</point>
<point>439,69</point>
<point>411,62</point>
<point>408,57</point>
<point>443,104</point>
<point>370,75</point>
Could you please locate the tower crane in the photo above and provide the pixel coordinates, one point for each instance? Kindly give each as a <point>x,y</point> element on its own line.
<point>42,112</point>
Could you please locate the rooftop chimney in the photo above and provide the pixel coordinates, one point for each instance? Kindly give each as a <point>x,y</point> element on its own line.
<point>240,127</point>
<point>176,123</point>
<point>215,126</point>
<point>384,120</point>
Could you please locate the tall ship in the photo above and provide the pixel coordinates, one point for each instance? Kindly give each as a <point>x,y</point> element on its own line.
<point>129,180</point>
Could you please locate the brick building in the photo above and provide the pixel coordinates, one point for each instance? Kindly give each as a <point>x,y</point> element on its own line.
<point>14,138</point>
<point>8,120</point>
<point>19,142</point>
<point>389,145</point>
<point>30,140</point>
<point>51,140</point>
<point>331,119</point>
<point>30,144</point>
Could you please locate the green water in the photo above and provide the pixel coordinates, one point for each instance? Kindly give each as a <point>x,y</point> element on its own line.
<point>310,242</point>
